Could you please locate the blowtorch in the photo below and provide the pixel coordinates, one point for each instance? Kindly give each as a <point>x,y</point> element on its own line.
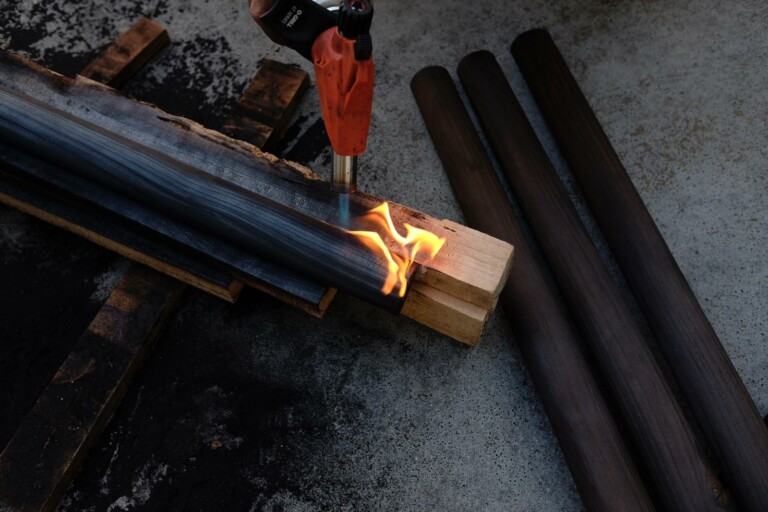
<point>338,42</point>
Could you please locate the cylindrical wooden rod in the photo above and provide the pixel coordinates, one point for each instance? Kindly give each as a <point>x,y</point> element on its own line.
<point>659,428</point>
<point>596,455</point>
<point>246,219</point>
<point>726,413</point>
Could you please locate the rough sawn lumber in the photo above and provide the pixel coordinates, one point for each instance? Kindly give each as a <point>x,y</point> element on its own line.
<point>470,268</point>
<point>596,454</point>
<point>124,57</point>
<point>663,436</point>
<point>42,457</point>
<point>190,263</point>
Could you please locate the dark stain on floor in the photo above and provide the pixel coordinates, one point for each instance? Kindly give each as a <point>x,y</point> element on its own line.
<point>46,281</point>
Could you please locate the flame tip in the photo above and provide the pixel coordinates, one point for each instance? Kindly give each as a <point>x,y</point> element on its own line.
<point>398,265</point>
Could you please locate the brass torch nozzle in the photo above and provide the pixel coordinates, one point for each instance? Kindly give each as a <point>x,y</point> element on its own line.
<point>344,175</point>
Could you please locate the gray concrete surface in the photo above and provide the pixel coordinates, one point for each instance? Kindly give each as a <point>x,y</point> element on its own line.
<point>387,415</point>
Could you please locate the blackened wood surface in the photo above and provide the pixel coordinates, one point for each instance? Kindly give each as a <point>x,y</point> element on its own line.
<point>40,460</point>
<point>267,104</point>
<point>594,450</point>
<point>111,231</point>
<point>460,269</point>
<point>242,217</point>
<point>123,58</point>
<point>658,425</point>
<point>720,401</point>
<point>195,270</point>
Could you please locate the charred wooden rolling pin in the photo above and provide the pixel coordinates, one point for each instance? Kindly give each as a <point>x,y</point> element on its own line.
<point>719,400</point>
<point>657,423</point>
<point>321,251</point>
<point>596,455</point>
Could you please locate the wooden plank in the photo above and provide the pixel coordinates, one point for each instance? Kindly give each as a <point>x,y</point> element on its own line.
<point>61,446</point>
<point>129,53</point>
<point>246,166</point>
<point>252,221</point>
<point>445,313</point>
<point>279,282</point>
<point>40,460</point>
<point>597,456</point>
<point>267,104</point>
<point>718,398</point>
<point>664,438</point>
<point>142,246</point>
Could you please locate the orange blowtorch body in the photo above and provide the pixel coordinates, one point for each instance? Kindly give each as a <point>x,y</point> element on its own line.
<point>340,47</point>
<point>345,86</point>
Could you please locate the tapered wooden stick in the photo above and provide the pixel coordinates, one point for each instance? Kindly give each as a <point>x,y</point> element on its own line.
<point>659,428</point>
<point>718,398</point>
<point>242,217</point>
<point>593,448</point>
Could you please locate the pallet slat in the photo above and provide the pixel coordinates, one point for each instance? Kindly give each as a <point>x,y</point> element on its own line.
<point>41,458</point>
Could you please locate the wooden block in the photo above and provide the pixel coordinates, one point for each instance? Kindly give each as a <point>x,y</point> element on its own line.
<point>445,313</point>
<point>268,103</point>
<point>123,58</point>
<point>40,460</point>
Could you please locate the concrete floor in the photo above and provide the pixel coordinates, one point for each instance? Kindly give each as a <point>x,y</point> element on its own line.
<point>258,407</point>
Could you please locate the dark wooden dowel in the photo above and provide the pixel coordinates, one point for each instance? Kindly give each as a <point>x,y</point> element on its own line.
<point>242,217</point>
<point>40,460</point>
<point>719,400</point>
<point>657,423</point>
<point>596,455</point>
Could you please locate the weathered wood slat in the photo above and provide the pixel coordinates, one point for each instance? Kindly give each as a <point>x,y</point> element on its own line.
<point>594,450</point>
<point>277,281</point>
<point>123,58</point>
<point>243,218</point>
<point>718,398</point>
<point>40,483</point>
<point>179,250</point>
<point>654,417</point>
<point>267,105</point>
<point>40,460</point>
<point>143,246</point>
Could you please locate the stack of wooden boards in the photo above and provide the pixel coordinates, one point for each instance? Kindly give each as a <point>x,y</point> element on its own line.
<point>453,294</point>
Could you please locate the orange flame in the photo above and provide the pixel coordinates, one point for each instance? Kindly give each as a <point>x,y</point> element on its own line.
<point>416,242</point>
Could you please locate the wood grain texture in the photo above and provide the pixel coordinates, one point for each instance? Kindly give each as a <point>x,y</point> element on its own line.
<point>244,218</point>
<point>68,212</point>
<point>41,459</point>
<point>194,266</point>
<point>266,106</point>
<point>129,53</point>
<point>726,413</point>
<point>39,484</point>
<point>659,428</point>
<point>470,272</point>
<point>596,454</point>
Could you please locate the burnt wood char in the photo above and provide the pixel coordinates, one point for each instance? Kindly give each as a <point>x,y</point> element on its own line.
<point>244,218</point>
<point>655,419</point>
